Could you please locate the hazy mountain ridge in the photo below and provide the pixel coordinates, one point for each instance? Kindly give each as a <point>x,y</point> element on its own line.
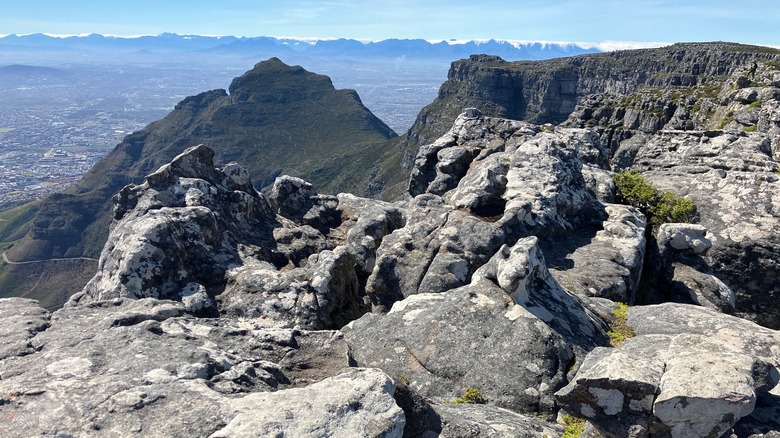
<point>231,45</point>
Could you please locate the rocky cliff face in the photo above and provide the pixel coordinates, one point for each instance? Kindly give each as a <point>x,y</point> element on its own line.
<point>493,284</point>
<point>639,89</point>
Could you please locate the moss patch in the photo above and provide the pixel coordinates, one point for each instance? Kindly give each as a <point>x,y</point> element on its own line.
<point>573,426</point>
<point>619,330</point>
<point>472,396</point>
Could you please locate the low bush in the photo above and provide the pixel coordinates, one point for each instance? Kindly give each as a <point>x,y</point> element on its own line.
<point>659,206</point>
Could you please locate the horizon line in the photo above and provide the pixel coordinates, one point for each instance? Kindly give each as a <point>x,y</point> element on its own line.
<point>604,46</point>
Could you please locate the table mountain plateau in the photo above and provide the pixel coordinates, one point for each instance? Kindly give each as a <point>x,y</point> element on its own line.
<point>483,303</point>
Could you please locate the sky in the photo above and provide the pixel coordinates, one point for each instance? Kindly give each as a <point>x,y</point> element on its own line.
<point>646,21</point>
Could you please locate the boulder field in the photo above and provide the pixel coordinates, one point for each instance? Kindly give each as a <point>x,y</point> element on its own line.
<point>483,304</point>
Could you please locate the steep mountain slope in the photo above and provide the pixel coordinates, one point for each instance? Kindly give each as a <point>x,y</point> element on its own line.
<point>276,119</point>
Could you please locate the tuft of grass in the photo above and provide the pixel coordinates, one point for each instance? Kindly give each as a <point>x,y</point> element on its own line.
<point>751,128</point>
<point>472,396</point>
<point>573,426</point>
<point>619,330</point>
<point>756,104</point>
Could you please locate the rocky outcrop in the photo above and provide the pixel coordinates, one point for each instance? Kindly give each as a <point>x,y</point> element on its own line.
<point>732,179</point>
<point>443,294</point>
<point>689,372</point>
<point>125,367</point>
<point>512,332</point>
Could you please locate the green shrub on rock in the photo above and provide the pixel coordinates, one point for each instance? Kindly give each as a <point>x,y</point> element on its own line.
<point>659,206</point>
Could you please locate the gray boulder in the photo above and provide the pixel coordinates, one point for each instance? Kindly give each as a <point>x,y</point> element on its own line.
<point>469,421</point>
<point>357,403</point>
<point>687,373</point>
<point>512,332</point>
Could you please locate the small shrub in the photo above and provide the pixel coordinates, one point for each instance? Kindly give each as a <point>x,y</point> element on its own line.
<point>472,396</point>
<point>633,189</point>
<point>659,207</point>
<point>573,426</point>
<point>672,208</point>
<point>751,128</point>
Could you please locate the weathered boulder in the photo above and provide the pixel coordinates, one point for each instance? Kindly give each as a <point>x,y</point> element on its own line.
<point>512,332</point>
<point>324,294</point>
<point>614,390</point>
<point>206,237</point>
<point>605,262</point>
<point>182,225</point>
<point>689,372</point>
<point>684,237</point>
<point>296,199</point>
<point>356,403</point>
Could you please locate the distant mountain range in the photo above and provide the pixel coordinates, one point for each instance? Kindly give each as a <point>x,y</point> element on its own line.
<point>231,45</point>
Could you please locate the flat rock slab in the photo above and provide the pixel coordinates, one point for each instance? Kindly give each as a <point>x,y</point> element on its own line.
<point>124,367</point>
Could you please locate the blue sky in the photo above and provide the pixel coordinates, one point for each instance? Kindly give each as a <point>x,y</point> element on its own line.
<point>754,22</point>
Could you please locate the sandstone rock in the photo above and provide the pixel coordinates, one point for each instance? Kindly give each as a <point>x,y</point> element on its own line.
<point>731,177</point>
<point>512,332</point>
<point>297,200</point>
<point>195,233</point>
<point>614,390</point>
<point>684,237</point>
<point>181,226</point>
<point>356,403</point>
<point>116,368</point>
<point>695,287</point>
<point>741,335</point>
<point>20,320</point>
<point>485,183</point>
<point>325,294</point>
<point>437,250</point>
<point>491,421</point>
<point>705,388</point>
<point>605,263</point>
<point>688,372</point>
